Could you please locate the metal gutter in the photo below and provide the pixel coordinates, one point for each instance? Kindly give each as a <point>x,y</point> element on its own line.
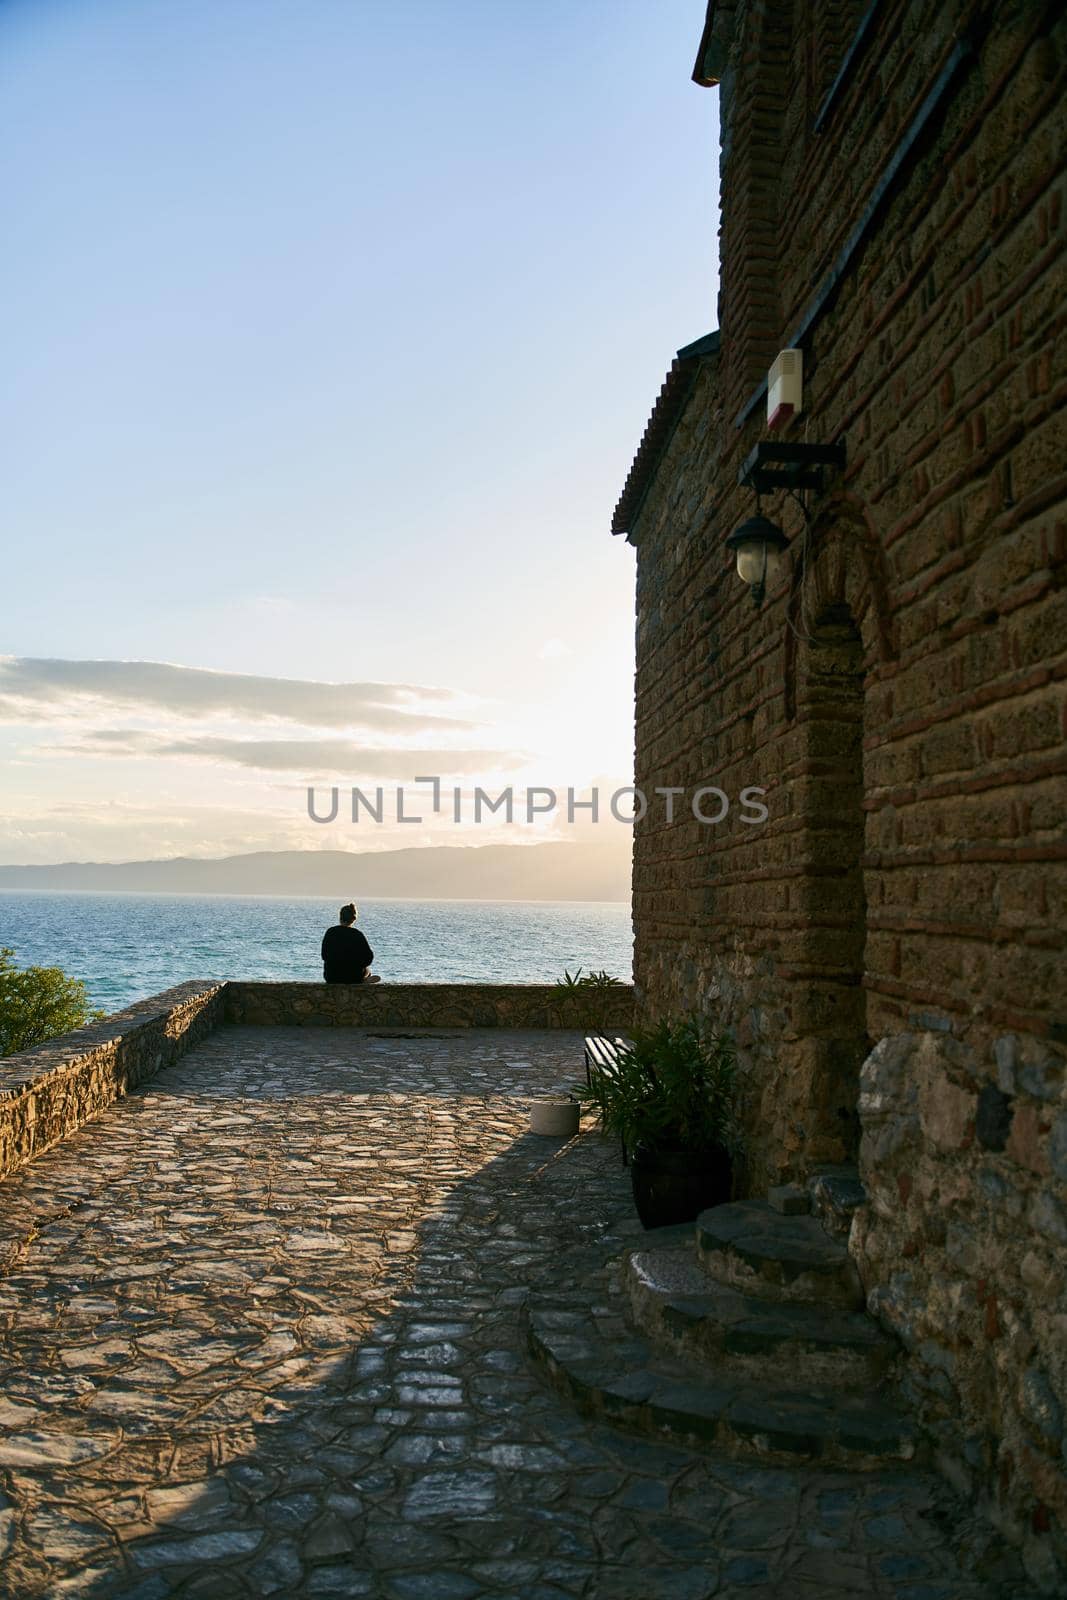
<point>852,56</point>
<point>960,53</point>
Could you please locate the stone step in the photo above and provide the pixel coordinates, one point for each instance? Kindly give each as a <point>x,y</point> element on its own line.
<point>752,1247</point>
<point>625,1382</point>
<point>685,1312</point>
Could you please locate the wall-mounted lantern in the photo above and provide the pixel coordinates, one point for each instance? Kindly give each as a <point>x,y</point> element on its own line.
<point>758,543</point>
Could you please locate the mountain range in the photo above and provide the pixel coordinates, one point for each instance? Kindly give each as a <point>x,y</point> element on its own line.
<point>435,872</point>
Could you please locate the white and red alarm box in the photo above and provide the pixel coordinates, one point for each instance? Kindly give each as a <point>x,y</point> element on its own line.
<point>785,388</point>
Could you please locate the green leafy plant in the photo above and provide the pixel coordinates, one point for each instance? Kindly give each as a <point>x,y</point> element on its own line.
<point>37,1003</point>
<point>571,981</point>
<point>585,995</point>
<point>675,1089</point>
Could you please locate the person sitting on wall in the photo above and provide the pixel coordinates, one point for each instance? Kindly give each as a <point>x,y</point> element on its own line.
<point>346,955</point>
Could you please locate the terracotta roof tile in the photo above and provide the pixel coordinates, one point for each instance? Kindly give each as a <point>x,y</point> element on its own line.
<point>666,414</point>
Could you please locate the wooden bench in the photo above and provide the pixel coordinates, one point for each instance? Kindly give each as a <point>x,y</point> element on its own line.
<point>602,1058</point>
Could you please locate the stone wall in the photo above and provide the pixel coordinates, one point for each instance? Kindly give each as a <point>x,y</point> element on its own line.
<point>902,693</point>
<point>963,1246</point>
<point>48,1091</point>
<point>426,1005</point>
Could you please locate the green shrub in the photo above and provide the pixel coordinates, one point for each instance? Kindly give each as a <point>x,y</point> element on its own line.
<point>37,1003</point>
<point>676,1088</point>
<point>585,998</point>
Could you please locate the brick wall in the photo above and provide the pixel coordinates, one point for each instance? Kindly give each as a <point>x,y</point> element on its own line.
<point>902,693</point>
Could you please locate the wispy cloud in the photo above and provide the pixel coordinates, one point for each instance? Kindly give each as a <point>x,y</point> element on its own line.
<point>90,831</point>
<point>332,757</point>
<point>553,650</point>
<point>32,687</point>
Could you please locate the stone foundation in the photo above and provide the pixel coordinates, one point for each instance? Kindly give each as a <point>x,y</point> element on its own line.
<point>47,1092</point>
<point>962,1248</point>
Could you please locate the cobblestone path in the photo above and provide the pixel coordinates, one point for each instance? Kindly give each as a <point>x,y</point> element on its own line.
<point>260,1335</point>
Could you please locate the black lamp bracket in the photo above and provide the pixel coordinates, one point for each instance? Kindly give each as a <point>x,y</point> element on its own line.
<point>772,465</point>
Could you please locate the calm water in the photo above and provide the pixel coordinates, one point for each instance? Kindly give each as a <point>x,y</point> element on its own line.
<point>127,946</point>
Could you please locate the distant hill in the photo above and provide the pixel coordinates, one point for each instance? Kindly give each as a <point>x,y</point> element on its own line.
<point>438,872</point>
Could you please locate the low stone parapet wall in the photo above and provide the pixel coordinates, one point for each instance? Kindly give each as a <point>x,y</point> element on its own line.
<point>48,1091</point>
<point>427,1005</point>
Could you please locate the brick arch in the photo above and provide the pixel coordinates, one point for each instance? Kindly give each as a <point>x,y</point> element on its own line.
<point>840,566</point>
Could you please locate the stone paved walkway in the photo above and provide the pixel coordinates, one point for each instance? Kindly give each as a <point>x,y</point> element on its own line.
<point>260,1335</point>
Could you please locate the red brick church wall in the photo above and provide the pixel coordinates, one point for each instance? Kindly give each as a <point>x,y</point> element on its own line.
<point>901,694</point>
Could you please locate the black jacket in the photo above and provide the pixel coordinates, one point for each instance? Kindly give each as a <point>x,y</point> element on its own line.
<point>345,953</point>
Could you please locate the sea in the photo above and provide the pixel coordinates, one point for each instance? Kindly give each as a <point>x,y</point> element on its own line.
<point>128,946</point>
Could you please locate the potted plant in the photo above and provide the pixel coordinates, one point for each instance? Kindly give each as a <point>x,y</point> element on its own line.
<point>673,1103</point>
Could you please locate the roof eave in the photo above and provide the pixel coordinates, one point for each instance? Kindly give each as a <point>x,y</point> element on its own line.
<point>666,414</point>
<point>710,61</point>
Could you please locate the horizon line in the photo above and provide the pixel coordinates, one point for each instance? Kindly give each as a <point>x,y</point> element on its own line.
<point>371,899</point>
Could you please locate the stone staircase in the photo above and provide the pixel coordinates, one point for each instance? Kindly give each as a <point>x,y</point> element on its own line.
<point>746,1332</point>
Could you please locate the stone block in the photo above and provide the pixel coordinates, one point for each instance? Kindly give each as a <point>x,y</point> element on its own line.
<point>884,1083</point>
<point>1005,1056</point>
<point>1041,1405</point>
<point>1028,1140</point>
<point>1057,1147</point>
<point>947,1114</point>
<point>1042,1077</point>
<point>1048,1218</point>
<point>789,1199</point>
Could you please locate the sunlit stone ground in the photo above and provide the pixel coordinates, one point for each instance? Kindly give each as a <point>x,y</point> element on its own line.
<point>260,1335</point>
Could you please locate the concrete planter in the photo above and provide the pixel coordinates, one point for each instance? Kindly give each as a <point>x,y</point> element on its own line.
<point>557,1118</point>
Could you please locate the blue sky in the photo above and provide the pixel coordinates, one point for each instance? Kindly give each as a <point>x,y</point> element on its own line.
<point>330,329</point>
